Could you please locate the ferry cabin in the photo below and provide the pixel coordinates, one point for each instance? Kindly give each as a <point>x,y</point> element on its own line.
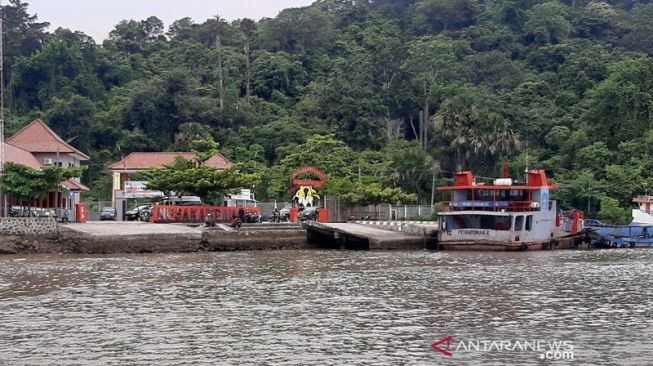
<point>643,215</point>
<point>498,215</point>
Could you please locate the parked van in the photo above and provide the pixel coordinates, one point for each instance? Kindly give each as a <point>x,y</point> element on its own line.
<point>244,199</point>
<point>182,201</point>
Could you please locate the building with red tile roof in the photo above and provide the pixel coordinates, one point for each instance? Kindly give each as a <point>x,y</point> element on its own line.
<point>37,138</point>
<point>140,161</point>
<point>37,146</point>
<point>20,156</point>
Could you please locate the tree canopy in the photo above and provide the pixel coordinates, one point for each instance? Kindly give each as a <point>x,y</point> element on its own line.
<point>383,92</point>
<point>28,184</point>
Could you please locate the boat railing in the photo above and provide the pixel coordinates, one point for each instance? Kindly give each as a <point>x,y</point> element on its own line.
<point>492,206</point>
<point>589,223</point>
<point>643,199</point>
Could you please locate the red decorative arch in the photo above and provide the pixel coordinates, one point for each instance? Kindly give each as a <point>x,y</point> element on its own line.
<point>297,182</point>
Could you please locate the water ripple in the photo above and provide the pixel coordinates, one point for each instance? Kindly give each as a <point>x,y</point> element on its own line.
<point>323,307</point>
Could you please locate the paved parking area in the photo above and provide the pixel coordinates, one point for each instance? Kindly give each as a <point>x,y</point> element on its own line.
<point>113,228</point>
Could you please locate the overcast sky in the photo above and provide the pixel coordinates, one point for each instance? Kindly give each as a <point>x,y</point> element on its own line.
<point>98,17</point>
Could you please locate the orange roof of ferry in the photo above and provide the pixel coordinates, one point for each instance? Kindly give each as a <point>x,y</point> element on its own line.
<point>536,180</point>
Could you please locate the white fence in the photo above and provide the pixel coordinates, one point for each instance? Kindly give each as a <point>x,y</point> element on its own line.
<point>340,211</point>
<point>406,212</point>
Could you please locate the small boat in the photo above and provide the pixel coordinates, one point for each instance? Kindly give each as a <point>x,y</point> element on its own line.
<point>503,215</point>
<point>635,235</point>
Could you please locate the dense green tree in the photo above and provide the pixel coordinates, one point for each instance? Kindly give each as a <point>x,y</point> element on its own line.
<point>641,26</point>
<point>611,212</point>
<point>22,33</point>
<point>297,30</point>
<point>561,85</point>
<point>189,132</point>
<point>547,23</point>
<point>249,30</point>
<point>375,194</point>
<point>435,16</point>
<point>621,107</point>
<point>474,133</point>
<point>186,177</point>
<point>429,66</point>
<point>28,184</point>
<point>411,168</point>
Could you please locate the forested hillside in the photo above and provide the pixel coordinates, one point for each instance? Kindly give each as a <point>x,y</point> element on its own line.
<point>398,91</point>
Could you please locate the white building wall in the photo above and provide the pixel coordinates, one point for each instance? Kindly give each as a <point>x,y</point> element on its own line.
<point>65,160</point>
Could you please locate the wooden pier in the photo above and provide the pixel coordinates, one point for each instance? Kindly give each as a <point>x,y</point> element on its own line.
<point>370,237</point>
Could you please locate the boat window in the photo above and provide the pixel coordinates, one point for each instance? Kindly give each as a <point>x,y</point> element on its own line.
<point>529,222</point>
<point>502,223</point>
<point>484,222</point>
<point>519,223</point>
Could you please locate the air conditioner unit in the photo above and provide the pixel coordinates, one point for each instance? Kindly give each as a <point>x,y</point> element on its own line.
<point>47,161</point>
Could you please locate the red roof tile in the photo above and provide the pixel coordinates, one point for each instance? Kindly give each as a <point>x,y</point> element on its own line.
<point>139,161</point>
<point>38,137</point>
<point>20,156</point>
<point>71,185</point>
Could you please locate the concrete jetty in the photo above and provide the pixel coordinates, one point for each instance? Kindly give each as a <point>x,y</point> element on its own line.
<point>138,237</point>
<point>371,237</point>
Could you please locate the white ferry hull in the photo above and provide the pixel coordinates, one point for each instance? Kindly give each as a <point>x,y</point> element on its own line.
<point>488,246</point>
<point>484,245</point>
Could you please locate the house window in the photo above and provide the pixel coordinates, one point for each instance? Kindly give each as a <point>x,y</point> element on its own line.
<point>519,223</point>
<point>529,222</point>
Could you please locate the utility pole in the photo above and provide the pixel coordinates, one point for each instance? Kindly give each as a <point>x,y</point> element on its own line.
<point>433,191</point>
<point>589,196</point>
<point>2,111</point>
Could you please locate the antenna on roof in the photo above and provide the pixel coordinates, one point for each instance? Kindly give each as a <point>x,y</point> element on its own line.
<point>526,171</point>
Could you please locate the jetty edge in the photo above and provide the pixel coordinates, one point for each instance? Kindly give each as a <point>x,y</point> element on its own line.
<point>45,236</point>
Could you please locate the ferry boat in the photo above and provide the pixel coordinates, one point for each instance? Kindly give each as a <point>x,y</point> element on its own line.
<point>503,215</point>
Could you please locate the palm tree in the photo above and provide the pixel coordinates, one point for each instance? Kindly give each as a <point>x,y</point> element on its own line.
<point>472,131</point>
<point>456,122</point>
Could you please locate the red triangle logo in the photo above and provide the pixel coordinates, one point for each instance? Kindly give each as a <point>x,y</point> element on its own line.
<point>447,340</point>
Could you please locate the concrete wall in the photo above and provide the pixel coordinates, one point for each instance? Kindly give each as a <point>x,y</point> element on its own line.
<point>421,228</point>
<point>71,241</point>
<point>28,226</point>
<point>218,240</point>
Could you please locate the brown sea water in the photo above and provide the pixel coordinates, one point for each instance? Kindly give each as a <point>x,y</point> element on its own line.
<point>325,308</point>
